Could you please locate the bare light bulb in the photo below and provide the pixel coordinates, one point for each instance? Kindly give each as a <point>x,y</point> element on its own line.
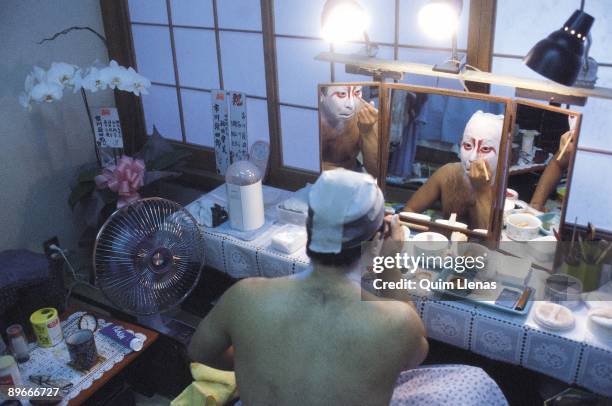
<point>439,20</point>
<point>344,21</point>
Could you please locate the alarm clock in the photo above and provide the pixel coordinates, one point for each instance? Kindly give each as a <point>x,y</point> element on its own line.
<point>88,322</point>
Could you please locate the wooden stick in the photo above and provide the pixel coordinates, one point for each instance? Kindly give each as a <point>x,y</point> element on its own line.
<point>484,166</point>
<point>413,226</point>
<point>565,147</point>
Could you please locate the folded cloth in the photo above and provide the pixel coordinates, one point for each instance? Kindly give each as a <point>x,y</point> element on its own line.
<point>211,387</point>
<point>446,385</point>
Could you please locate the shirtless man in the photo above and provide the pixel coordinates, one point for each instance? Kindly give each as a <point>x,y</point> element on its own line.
<point>462,187</point>
<point>314,338</point>
<point>349,125</point>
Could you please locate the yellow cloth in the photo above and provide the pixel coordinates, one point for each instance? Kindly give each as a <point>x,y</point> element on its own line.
<point>211,387</point>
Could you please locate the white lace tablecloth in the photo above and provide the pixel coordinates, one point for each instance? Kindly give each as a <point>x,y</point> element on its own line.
<point>576,357</point>
<point>53,361</point>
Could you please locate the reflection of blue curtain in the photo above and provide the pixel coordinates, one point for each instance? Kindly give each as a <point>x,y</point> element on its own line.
<point>441,118</point>
<point>444,117</point>
<point>401,159</point>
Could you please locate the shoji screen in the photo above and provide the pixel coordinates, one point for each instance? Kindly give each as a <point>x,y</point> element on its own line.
<point>393,26</point>
<point>187,48</point>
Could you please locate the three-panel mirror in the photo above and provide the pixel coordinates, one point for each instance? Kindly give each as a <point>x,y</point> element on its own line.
<point>453,161</point>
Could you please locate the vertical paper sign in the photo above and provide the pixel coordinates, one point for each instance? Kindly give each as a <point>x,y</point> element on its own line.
<point>239,143</point>
<point>220,130</point>
<point>108,128</point>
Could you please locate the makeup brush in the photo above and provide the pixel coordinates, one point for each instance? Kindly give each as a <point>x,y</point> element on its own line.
<point>565,146</point>
<point>604,253</point>
<point>484,167</point>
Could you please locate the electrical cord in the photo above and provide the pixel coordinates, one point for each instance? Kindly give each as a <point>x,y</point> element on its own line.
<point>77,280</point>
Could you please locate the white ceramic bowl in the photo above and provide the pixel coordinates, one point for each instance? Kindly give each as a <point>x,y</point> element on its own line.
<point>447,223</point>
<point>429,244</point>
<point>509,204</point>
<point>522,226</point>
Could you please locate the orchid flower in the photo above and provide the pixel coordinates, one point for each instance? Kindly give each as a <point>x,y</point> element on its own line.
<point>116,76</point>
<point>140,84</point>
<point>47,92</point>
<point>25,98</point>
<point>76,82</point>
<point>93,80</point>
<point>61,73</point>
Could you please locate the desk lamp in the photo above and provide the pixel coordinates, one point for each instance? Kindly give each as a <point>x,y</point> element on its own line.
<point>560,56</point>
<point>440,19</point>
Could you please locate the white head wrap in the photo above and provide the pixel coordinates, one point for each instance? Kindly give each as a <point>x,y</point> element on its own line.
<point>346,208</point>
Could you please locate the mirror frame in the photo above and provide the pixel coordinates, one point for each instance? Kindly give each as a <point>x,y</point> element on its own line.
<point>496,218</point>
<point>381,120</point>
<point>570,168</point>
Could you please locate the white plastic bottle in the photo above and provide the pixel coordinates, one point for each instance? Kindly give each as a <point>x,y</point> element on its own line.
<point>244,196</point>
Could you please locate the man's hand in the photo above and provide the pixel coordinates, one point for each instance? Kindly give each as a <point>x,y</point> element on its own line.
<point>480,173</point>
<point>367,116</point>
<point>393,236</point>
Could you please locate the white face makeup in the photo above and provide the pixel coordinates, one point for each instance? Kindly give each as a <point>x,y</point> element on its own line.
<point>340,103</point>
<point>481,141</point>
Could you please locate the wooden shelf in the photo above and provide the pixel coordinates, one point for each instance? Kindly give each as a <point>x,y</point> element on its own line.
<point>389,66</point>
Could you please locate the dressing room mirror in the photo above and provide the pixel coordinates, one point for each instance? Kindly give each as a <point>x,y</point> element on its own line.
<point>444,158</point>
<point>540,166</point>
<point>350,127</point>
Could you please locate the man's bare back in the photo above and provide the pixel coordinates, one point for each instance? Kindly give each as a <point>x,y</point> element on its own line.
<point>311,340</point>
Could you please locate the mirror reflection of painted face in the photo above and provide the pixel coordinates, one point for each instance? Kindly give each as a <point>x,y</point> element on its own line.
<point>481,140</point>
<point>341,103</point>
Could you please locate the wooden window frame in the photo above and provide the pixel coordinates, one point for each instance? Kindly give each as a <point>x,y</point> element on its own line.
<point>200,171</point>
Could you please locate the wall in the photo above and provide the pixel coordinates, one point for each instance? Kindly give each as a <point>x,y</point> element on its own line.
<point>41,150</point>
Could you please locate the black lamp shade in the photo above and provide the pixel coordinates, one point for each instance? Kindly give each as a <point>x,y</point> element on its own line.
<point>559,57</point>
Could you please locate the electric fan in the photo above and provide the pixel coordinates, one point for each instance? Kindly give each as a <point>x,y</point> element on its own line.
<point>147,259</point>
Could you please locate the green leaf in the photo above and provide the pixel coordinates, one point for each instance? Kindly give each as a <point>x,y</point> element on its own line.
<point>88,175</point>
<point>167,159</point>
<point>80,191</point>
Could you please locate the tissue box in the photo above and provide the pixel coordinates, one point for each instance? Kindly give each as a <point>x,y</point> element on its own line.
<point>290,216</point>
<point>289,240</point>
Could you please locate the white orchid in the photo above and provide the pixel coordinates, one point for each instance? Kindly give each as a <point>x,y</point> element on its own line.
<point>140,84</point>
<point>76,82</point>
<point>93,81</point>
<point>61,73</point>
<point>25,98</point>
<point>39,74</point>
<point>48,86</point>
<point>46,92</point>
<point>116,76</point>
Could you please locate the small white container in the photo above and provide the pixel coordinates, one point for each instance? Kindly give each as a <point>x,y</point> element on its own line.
<point>9,372</point>
<point>430,244</point>
<point>522,226</point>
<point>528,138</point>
<point>244,196</point>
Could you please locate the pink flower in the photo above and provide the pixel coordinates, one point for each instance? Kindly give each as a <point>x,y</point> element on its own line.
<point>125,179</point>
